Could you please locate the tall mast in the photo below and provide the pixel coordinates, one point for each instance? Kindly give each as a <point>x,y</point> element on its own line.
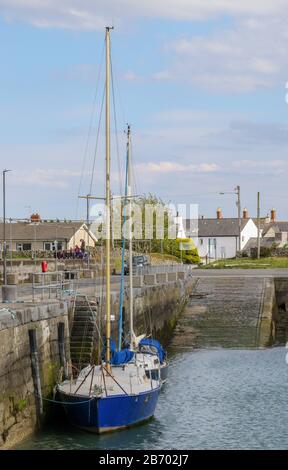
<point>108,202</point>
<point>120,326</point>
<point>129,194</point>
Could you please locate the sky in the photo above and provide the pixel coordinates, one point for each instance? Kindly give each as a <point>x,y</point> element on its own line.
<point>202,83</point>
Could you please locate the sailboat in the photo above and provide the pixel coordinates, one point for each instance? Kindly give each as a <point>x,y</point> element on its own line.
<point>115,394</point>
<point>147,351</point>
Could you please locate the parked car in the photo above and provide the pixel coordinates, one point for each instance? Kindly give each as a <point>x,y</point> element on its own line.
<point>138,261</point>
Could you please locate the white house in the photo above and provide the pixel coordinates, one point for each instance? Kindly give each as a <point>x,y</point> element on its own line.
<point>219,238</point>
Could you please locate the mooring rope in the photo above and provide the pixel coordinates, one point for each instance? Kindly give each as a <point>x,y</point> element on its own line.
<point>65,402</point>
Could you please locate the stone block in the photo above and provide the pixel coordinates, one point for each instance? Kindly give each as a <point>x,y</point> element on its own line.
<point>38,278</point>
<point>137,281</point>
<point>172,277</point>
<point>89,274</point>
<point>149,279</point>
<point>161,278</point>
<point>12,278</point>
<point>9,293</point>
<point>181,275</point>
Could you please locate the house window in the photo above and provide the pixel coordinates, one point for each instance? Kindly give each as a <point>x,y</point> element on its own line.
<point>201,241</point>
<point>50,246</point>
<point>23,246</point>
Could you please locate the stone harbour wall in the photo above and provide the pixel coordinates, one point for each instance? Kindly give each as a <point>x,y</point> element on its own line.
<point>17,398</point>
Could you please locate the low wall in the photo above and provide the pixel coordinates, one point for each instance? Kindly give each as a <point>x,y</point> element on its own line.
<point>17,398</point>
<point>23,268</point>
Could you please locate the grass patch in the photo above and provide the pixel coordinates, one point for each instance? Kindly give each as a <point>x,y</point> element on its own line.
<point>247,263</point>
<point>163,258</point>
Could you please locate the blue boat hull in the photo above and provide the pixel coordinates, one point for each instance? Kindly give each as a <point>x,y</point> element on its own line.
<point>109,413</point>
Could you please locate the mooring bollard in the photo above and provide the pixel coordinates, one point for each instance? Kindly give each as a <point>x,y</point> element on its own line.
<point>36,375</point>
<point>62,352</point>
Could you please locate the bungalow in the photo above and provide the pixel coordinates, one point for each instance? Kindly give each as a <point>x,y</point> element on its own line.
<point>45,236</point>
<point>218,238</point>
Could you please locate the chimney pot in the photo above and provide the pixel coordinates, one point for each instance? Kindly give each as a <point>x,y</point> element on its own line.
<point>219,213</point>
<point>273,215</point>
<point>245,213</point>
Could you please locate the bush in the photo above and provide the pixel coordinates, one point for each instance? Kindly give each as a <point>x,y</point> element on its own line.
<point>189,256</point>
<point>265,252</point>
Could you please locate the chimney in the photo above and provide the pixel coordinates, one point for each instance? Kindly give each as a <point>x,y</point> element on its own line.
<point>273,215</point>
<point>219,213</point>
<point>245,213</point>
<point>35,218</point>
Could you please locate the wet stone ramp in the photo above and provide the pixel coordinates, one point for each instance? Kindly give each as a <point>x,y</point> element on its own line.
<point>225,312</point>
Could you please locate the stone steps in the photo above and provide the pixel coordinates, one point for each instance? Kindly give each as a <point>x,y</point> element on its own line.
<point>83,332</point>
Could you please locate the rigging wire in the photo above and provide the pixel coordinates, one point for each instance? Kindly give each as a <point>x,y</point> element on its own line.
<point>90,126</point>
<point>135,179</point>
<point>97,141</point>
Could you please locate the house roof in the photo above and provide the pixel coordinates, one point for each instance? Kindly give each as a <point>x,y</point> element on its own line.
<point>263,222</point>
<point>216,227</point>
<point>46,231</point>
<point>264,242</point>
<point>277,227</point>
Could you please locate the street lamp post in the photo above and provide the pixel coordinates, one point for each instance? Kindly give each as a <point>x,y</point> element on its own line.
<point>4,229</point>
<point>238,204</point>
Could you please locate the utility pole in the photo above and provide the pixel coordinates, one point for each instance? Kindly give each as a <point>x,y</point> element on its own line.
<point>258,225</point>
<point>88,197</point>
<point>4,229</point>
<point>238,204</point>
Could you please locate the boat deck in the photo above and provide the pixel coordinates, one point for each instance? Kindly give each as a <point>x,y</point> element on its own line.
<point>128,379</point>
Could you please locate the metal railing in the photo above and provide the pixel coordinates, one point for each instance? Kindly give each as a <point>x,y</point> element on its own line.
<point>53,284</point>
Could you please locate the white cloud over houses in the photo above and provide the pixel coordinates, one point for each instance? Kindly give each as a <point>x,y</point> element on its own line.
<point>169,167</point>
<point>46,178</point>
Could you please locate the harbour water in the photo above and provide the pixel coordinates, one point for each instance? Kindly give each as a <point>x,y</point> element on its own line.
<point>214,399</point>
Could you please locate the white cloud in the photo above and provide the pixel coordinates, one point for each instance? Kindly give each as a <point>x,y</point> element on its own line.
<point>131,76</point>
<point>251,54</point>
<point>261,166</point>
<point>162,75</point>
<point>95,14</point>
<point>168,167</point>
<point>47,178</point>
